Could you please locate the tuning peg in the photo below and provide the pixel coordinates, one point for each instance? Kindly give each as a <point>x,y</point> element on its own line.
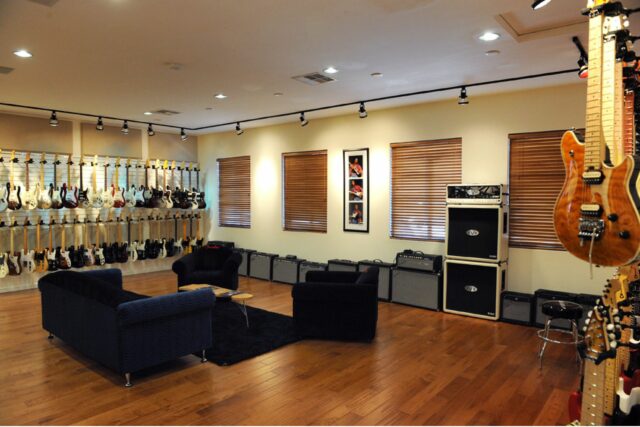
<point>612,337</point>
<point>616,319</point>
<point>590,313</point>
<point>610,327</point>
<point>613,344</point>
<point>584,328</point>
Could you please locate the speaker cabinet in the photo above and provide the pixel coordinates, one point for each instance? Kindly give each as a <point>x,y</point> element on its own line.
<point>306,266</point>
<point>473,288</point>
<point>261,265</point>
<point>416,288</point>
<point>244,269</point>
<point>342,265</point>
<point>517,308</point>
<point>286,269</point>
<point>384,276</point>
<point>477,233</point>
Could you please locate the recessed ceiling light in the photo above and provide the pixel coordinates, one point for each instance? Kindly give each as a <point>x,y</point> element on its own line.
<point>489,36</point>
<point>376,74</point>
<point>148,113</point>
<point>23,53</point>
<point>330,70</point>
<point>278,94</point>
<point>208,108</point>
<point>492,52</point>
<point>220,95</point>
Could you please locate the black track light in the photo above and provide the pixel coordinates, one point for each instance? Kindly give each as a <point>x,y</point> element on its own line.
<point>125,128</point>
<point>363,111</point>
<point>583,71</point>
<point>303,121</point>
<point>53,120</point>
<point>100,124</point>
<point>463,99</point>
<point>539,4</point>
<point>183,135</point>
<point>239,130</point>
<point>150,130</point>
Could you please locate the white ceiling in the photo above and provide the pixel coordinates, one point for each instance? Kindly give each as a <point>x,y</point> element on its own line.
<point>109,56</point>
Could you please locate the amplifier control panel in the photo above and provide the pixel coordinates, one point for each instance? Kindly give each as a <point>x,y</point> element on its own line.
<point>476,194</point>
<point>415,260</point>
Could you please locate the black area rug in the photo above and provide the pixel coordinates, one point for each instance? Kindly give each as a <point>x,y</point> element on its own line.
<point>233,342</point>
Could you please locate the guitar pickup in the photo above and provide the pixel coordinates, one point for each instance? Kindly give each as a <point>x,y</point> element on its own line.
<point>593,177</point>
<point>590,209</point>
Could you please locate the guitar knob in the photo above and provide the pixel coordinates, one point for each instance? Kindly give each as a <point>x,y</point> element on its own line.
<point>612,217</point>
<point>624,234</point>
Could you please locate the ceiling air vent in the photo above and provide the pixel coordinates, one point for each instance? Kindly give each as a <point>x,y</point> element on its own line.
<point>314,79</point>
<point>166,112</point>
<point>5,70</point>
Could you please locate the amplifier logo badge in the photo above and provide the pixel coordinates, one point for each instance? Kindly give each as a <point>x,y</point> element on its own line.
<point>470,288</point>
<point>472,232</point>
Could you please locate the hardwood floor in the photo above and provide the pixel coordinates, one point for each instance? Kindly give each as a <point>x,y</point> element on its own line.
<point>423,368</point>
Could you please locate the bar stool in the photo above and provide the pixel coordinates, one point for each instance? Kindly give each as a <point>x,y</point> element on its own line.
<point>567,310</point>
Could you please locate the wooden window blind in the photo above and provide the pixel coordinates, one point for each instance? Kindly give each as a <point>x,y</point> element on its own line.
<point>536,175</point>
<point>420,172</point>
<point>305,191</point>
<point>234,192</point>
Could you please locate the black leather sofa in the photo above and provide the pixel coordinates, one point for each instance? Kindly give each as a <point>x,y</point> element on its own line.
<point>337,305</point>
<point>213,266</point>
<point>123,330</point>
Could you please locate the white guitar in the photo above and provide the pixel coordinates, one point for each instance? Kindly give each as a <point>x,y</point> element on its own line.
<point>30,196</point>
<point>14,261</point>
<point>26,255</point>
<point>107,193</point>
<point>4,266</point>
<point>44,195</point>
<point>95,199</point>
<point>130,191</point>
<point>4,192</point>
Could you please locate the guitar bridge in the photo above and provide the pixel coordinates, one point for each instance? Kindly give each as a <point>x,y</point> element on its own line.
<point>588,228</point>
<point>592,177</point>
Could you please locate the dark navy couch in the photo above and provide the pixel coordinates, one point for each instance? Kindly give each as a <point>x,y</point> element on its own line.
<point>213,266</point>
<point>120,329</point>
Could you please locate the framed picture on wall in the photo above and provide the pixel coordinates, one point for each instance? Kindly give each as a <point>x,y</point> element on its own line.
<point>356,190</point>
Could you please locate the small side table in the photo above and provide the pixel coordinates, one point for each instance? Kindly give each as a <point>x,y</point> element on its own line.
<point>239,298</point>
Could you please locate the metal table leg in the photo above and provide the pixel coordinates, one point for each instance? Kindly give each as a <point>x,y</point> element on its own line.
<point>243,309</point>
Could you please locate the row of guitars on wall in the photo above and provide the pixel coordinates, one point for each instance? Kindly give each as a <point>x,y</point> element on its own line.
<point>167,236</point>
<point>596,215</point>
<point>610,387</point>
<point>160,188</point>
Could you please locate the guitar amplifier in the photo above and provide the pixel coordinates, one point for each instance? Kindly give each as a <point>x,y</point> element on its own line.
<point>306,266</point>
<point>417,288</point>
<point>384,276</point>
<point>544,295</point>
<point>477,233</point>
<point>473,288</point>
<point>286,269</point>
<point>221,243</point>
<point>587,302</point>
<point>474,194</point>
<point>416,260</point>
<point>244,268</point>
<point>261,265</point>
<point>342,265</point>
<point>518,308</point>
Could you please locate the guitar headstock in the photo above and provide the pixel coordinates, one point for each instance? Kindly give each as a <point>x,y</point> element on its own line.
<point>28,160</point>
<point>14,159</point>
<point>173,165</point>
<point>147,165</point>
<point>95,160</point>
<point>157,164</point>
<point>181,167</point>
<point>189,167</point>
<point>70,161</point>
<point>117,164</point>
<point>43,160</point>
<point>599,335</point>
<point>614,22</point>
<point>106,162</point>
<point>63,221</point>
<point>165,165</point>
<point>26,222</point>
<point>56,161</point>
<point>128,165</point>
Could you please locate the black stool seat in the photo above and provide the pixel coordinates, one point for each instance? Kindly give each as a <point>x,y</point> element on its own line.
<point>562,310</point>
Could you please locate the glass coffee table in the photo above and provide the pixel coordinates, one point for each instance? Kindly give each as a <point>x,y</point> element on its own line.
<point>238,297</point>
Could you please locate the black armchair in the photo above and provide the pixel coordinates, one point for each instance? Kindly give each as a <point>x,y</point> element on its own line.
<point>214,266</point>
<point>337,305</point>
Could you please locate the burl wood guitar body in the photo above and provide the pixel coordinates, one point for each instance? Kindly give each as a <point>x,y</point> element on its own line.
<point>619,243</point>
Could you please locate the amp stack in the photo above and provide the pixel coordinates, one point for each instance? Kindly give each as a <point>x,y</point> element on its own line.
<point>476,249</point>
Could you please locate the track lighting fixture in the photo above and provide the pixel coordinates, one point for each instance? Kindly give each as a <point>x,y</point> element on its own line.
<point>125,128</point>
<point>183,135</point>
<point>239,130</point>
<point>53,121</point>
<point>539,4</point>
<point>150,130</point>
<point>100,124</point>
<point>583,71</point>
<point>463,99</point>
<point>303,121</point>
<point>363,111</point>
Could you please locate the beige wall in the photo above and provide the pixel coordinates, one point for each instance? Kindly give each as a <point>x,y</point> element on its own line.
<point>111,141</point>
<point>483,125</point>
<point>34,134</point>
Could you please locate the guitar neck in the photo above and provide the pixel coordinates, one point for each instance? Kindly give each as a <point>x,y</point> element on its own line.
<point>63,242</point>
<point>25,239</point>
<point>629,124</point>
<point>608,100</point>
<point>594,149</point>
<point>39,248</point>
<point>592,413</point>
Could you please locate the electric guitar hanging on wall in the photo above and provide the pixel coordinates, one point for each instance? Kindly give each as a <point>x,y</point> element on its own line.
<point>4,191</point>
<point>15,202</point>
<point>44,193</point>
<point>107,192</point>
<point>117,192</point>
<point>70,199</point>
<point>56,194</point>
<point>130,193</point>
<point>596,216</point>
<point>26,255</point>
<point>4,257</point>
<point>30,196</point>
<point>15,268</point>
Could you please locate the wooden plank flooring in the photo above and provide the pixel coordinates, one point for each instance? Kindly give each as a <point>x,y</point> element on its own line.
<point>423,368</point>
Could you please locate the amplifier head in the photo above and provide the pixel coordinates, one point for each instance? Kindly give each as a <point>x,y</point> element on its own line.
<point>476,194</point>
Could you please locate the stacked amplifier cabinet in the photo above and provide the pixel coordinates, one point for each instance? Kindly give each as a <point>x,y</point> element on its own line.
<point>384,276</point>
<point>544,295</point>
<point>306,266</point>
<point>417,280</point>
<point>261,265</point>
<point>286,269</point>
<point>230,245</point>
<point>245,268</point>
<point>342,265</point>
<point>518,308</point>
<point>476,246</point>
